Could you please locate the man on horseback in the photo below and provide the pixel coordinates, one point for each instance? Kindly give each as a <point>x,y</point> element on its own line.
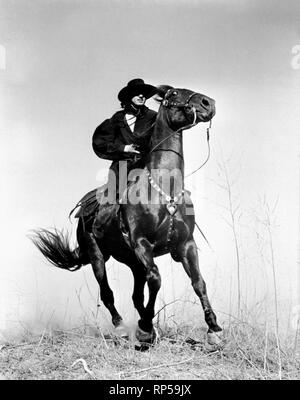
<point>126,135</point>
<point>141,231</point>
<point>125,139</point>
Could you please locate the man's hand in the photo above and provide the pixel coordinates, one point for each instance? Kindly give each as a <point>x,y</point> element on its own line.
<point>131,148</point>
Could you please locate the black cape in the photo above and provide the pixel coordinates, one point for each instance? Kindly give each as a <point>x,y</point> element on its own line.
<point>113,134</point>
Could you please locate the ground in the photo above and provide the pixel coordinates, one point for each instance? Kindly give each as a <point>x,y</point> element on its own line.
<point>181,353</point>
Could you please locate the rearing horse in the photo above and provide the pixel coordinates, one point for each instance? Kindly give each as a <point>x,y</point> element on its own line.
<point>153,228</point>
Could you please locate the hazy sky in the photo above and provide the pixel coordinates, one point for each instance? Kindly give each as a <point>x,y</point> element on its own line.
<point>65,63</point>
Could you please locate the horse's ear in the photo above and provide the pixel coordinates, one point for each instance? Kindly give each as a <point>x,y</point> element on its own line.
<point>161,92</point>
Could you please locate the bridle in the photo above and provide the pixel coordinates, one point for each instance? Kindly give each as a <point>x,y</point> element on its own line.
<point>185,105</point>
<point>168,104</point>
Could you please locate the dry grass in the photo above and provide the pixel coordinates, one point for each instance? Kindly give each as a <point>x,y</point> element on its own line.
<point>83,353</point>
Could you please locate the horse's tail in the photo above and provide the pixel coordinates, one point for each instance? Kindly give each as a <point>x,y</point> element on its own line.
<point>55,246</point>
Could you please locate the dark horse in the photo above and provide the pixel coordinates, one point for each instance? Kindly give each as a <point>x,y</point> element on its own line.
<point>142,230</point>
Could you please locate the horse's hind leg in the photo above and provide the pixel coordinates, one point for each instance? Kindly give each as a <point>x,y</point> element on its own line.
<point>98,264</point>
<point>187,254</point>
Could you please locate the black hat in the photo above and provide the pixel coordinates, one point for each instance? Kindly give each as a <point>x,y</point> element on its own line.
<point>134,88</point>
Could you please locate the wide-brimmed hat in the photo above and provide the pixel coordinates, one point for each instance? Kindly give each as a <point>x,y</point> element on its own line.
<point>134,88</point>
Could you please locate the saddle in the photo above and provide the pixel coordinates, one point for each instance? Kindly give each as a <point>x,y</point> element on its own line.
<point>96,213</point>
<point>89,204</point>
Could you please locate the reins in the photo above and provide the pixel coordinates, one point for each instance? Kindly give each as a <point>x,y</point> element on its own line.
<point>208,153</point>
<point>167,103</point>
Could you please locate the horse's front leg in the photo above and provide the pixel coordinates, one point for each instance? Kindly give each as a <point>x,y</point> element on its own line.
<point>144,252</point>
<point>139,276</point>
<point>187,254</point>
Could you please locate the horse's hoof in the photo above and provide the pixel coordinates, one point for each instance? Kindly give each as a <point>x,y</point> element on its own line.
<point>215,338</point>
<point>147,337</point>
<point>122,331</point>
<point>142,347</point>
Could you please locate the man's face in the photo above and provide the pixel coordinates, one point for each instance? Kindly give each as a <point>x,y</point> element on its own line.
<point>138,100</point>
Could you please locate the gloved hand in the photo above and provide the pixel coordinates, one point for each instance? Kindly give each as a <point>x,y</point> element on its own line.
<point>131,148</point>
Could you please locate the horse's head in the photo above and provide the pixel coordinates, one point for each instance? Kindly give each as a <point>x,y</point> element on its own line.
<point>185,107</point>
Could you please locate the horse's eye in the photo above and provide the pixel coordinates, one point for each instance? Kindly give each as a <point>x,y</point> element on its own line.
<point>175,93</point>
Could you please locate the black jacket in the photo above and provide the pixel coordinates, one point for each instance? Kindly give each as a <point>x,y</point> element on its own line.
<point>113,134</point>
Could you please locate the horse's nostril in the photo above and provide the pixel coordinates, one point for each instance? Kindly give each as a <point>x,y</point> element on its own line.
<point>205,102</point>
